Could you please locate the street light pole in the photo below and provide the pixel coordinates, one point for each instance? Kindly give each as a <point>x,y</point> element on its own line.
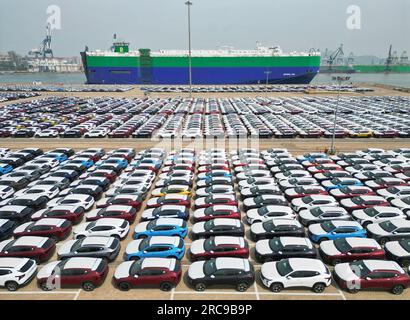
<point>267,79</point>
<point>189,4</point>
<point>339,80</point>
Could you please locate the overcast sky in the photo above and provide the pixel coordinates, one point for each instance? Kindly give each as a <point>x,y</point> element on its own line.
<point>162,24</point>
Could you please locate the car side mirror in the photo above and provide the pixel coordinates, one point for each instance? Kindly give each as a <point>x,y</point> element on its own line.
<point>212,276</point>
<point>211,230</point>
<point>212,251</point>
<point>136,276</point>
<point>349,253</point>
<point>368,278</point>
<point>280,252</point>
<point>333,232</point>
<point>288,277</point>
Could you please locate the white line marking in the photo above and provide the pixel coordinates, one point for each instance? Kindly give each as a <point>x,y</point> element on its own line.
<point>172,294</point>
<point>260,293</point>
<point>40,292</point>
<point>77,294</point>
<point>256,291</point>
<point>342,294</point>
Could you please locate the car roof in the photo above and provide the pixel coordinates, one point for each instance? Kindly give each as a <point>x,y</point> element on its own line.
<point>82,263</point>
<point>164,240</point>
<point>116,207</point>
<point>30,241</point>
<point>342,223</point>
<point>222,240</point>
<point>169,221</point>
<point>227,222</point>
<point>13,208</point>
<point>362,242</point>
<point>400,223</point>
<point>158,263</point>
<point>89,241</point>
<point>382,265</point>
<point>172,207</point>
<point>50,222</point>
<point>289,241</point>
<point>176,196</point>
<point>13,262</point>
<point>109,221</point>
<point>232,263</point>
<point>307,264</point>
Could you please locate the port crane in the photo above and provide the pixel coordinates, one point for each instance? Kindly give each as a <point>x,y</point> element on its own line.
<point>44,50</point>
<point>336,55</point>
<point>389,60</point>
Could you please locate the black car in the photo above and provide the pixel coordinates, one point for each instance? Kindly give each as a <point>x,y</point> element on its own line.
<point>69,174</point>
<point>16,213</point>
<point>16,183</point>
<point>94,191</point>
<point>276,228</point>
<point>34,201</point>
<point>218,227</point>
<point>264,200</point>
<point>34,151</point>
<point>30,175</point>
<point>67,151</point>
<point>104,183</point>
<point>42,168</point>
<point>80,168</point>
<point>279,248</point>
<point>235,272</point>
<point>6,228</point>
<point>71,134</point>
<point>14,162</point>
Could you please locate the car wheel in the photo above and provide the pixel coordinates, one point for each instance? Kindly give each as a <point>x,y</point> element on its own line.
<point>88,286</point>
<point>242,287</point>
<point>12,286</point>
<point>80,237</point>
<point>319,287</point>
<point>134,258</point>
<point>365,224</point>
<point>54,238</point>
<point>354,290</point>
<point>124,286</point>
<point>276,287</point>
<point>143,236</point>
<point>383,241</point>
<point>322,239</point>
<point>336,261</point>
<point>116,236</point>
<point>200,286</point>
<point>166,286</point>
<point>405,264</point>
<point>45,287</point>
<point>398,289</point>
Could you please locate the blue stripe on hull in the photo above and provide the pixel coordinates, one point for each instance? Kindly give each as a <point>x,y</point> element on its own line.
<point>201,76</point>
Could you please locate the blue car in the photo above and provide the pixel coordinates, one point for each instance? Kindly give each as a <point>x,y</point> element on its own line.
<point>88,163</point>
<point>335,229</point>
<point>61,157</point>
<point>122,163</point>
<point>155,247</point>
<point>338,183</point>
<point>155,163</point>
<point>311,157</point>
<point>161,227</point>
<point>5,168</point>
<point>213,174</point>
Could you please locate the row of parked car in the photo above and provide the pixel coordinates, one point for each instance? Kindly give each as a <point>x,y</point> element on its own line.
<point>359,117</point>
<point>10,96</point>
<point>255,88</point>
<point>65,88</point>
<point>304,212</point>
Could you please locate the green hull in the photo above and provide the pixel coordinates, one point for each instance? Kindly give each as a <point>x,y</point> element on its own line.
<point>367,69</point>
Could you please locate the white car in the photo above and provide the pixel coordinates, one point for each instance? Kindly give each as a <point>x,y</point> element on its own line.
<point>215,189</point>
<point>374,184</point>
<point>213,173</point>
<point>6,192</point>
<point>215,180</point>
<point>295,272</point>
<point>16,272</point>
<point>173,181</point>
<point>295,192</point>
<point>269,212</point>
<point>202,246</point>
<point>176,173</point>
<point>281,247</point>
<point>49,191</point>
<point>51,162</point>
<point>334,183</point>
<point>402,203</point>
<point>297,182</point>
<point>96,133</point>
<point>165,211</point>
<point>292,174</point>
<point>322,213</point>
<point>362,168</point>
<point>253,174</point>
<point>392,193</point>
<point>47,133</point>
<point>211,211</point>
<point>214,200</point>
<point>253,182</point>
<point>105,227</point>
<point>82,200</point>
<point>377,214</point>
<point>313,201</point>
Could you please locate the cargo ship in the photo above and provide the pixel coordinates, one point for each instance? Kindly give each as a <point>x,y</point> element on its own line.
<point>209,67</point>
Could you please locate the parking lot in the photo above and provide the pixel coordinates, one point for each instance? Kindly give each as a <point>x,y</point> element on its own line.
<point>183,290</point>
<point>162,118</point>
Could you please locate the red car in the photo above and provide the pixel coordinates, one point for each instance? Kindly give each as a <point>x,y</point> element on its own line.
<point>351,191</point>
<point>216,211</point>
<point>219,246</point>
<point>350,249</point>
<point>172,199</point>
<point>208,168</point>
<point>87,273</point>
<point>74,214</point>
<point>216,199</point>
<point>363,202</point>
<point>165,273</point>
<point>371,274</point>
<point>38,248</point>
<point>113,211</point>
<point>134,201</point>
<point>299,192</point>
<point>57,229</point>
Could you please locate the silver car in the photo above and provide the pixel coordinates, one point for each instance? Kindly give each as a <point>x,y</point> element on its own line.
<point>96,247</point>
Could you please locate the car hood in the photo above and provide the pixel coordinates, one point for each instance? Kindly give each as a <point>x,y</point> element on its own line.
<point>199,213</point>
<point>133,246</point>
<point>141,227</point>
<point>147,213</point>
<point>305,214</point>
<point>196,270</point>
<point>197,246</point>
<point>248,202</point>
<point>269,271</point>
<point>395,248</point>
<point>93,213</point>
<point>316,229</point>
<point>344,272</point>
<point>47,270</point>
<point>123,270</point>
<point>257,228</point>
<point>200,202</point>
<point>198,227</point>
<point>262,247</point>
<point>376,229</point>
<point>329,248</point>
<point>65,248</point>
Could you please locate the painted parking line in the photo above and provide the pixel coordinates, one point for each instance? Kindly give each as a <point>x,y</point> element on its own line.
<point>172,294</point>
<point>77,295</point>
<point>256,291</point>
<point>262,293</point>
<point>39,292</point>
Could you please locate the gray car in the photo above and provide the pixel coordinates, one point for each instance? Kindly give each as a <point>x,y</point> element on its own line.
<point>96,247</point>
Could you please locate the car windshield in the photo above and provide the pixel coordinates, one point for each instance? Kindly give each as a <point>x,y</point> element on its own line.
<point>209,225</point>
<point>307,199</point>
<point>371,212</point>
<point>357,200</point>
<point>327,226</point>
<point>136,267</point>
<point>91,225</point>
<point>209,244</point>
<point>151,224</point>
<point>262,211</point>
<point>359,269</point>
<point>144,243</point>
<point>275,244</point>
<point>393,190</point>
<point>316,212</point>
<point>342,245</point>
<point>406,200</point>
<point>405,243</point>
<point>283,267</point>
<point>77,245</point>
<point>209,210</point>
<point>387,226</point>
<point>268,225</point>
<point>210,267</point>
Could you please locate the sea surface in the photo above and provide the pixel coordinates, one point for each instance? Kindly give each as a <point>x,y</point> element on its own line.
<point>393,79</point>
